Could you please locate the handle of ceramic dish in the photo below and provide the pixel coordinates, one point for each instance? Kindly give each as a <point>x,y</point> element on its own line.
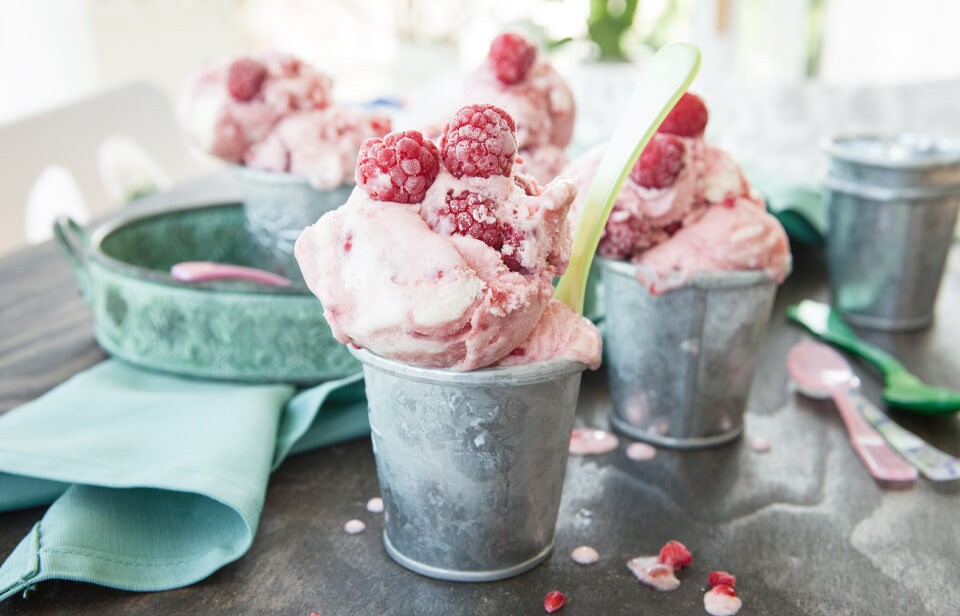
<point>659,86</point>
<point>828,325</point>
<point>72,240</point>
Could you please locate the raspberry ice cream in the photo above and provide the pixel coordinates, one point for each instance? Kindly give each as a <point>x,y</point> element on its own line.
<point>686,208</point>
<point>445,257</point>
<point>519,79</point>
<point>273,112</point>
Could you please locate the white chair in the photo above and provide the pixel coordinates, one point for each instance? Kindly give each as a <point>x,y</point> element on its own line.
<point>87,158</point>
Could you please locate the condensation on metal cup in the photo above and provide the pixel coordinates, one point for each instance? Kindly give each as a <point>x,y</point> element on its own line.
<point>892,207</point>
<point>680,364</point>
<point>471,464</point>
<point>277,207</point>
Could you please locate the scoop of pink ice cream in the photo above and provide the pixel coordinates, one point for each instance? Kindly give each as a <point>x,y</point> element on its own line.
<point>273,112</point>
<point>321,144</point>
<point>457,279</point>
<point>698,213</point>
<point>224,125</point>
<point>540,101</point>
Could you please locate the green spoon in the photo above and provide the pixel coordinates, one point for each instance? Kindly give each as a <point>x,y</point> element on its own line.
<point>660,85</point>
<point>903,390</point>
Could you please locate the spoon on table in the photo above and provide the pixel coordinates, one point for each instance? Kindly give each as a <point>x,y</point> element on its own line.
<point>809,361</point>
<point>821,372</point>
<point>203,271</point>
<point>903,389</point>
<point>661,83</point>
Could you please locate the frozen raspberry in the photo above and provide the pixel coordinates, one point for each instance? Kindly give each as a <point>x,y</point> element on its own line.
<point>676,555</point>
<point>688,118</point>
<point>245,78</point>
<point>511,249</point>
<point>473,214</point>
<point>623,235</point>
<point>399,167</point>
<point>660,162</point>
<point>721,578</point>
<point>511,56</point>
<point>529,185</point>
<point>480,141</point>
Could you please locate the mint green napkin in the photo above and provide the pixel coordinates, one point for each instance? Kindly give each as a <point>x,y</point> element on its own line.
<point>155,481</point>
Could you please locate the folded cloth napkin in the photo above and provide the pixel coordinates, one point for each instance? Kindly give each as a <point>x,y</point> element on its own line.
<point>156,481</point>
<point>800,208</point>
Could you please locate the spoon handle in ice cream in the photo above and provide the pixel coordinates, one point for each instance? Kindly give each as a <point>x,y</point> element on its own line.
<point>660,85</point>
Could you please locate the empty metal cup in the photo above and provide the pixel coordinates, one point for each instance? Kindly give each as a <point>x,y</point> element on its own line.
<point>471,464</point>
<point>680,364</point>
<point>892,205</point>
<point>277,207</point>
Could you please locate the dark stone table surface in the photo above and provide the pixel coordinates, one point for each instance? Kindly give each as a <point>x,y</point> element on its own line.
<point>803,527</point>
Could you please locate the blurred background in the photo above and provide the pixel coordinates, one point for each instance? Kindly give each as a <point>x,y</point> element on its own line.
<point>778,75</point>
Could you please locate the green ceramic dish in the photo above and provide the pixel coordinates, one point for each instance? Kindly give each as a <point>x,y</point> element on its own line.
<point>220,330</point>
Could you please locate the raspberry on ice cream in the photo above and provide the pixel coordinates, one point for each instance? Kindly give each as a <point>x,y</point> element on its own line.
<point>245,78</point>
<point>660,162</point>
<point>457,277</point>
<point>400,167</point>
<point>480,141</point>
<point>688,118</point>
<point>511,57</point>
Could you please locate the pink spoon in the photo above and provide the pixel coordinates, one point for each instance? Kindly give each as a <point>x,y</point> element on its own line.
<point>820,372</point>
<point>202,271</point>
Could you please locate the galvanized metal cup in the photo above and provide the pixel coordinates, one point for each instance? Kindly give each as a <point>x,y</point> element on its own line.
<point>680,364</point>
<point>278,206</point>
<point>471,464</point>
<point>892,205</point>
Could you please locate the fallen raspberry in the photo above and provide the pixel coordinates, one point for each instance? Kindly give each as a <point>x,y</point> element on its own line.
<point>245,77</point>
<point>721,578</point>
<point>480,141</point>
<point>660,162</point>
<point>400,167</point>
<point>721,601</point>
<point>676,555</point>
<point>649,571</point>
<point>688,118</point>
<point>511,57</point>
<point>553,601</point>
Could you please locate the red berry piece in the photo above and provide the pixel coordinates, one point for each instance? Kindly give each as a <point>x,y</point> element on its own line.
<point>660,162</point>
<point>676,555</point>
<point>688,118</point>
<point>511,57</point>
<point>553,601</point>
<point>511,249</point>
<point>245,77</point>
<point>723,589</point>
<point>473,214</point>
<point>621,238</point>
<point>480,141</point>
<point>721,578</point>
<point>399,167</point>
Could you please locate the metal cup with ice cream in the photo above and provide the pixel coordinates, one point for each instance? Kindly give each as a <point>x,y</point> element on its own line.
<point>293,150</point>
<point>438,272</point>
<point>690,261</point>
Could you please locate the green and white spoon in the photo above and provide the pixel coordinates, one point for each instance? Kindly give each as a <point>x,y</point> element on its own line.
<point>660,85</point>
<point>903,390</point>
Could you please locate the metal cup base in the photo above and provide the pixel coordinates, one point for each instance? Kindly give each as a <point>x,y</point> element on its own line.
<point>470,464</point>
<point>680,365</point>
<point>627,429</point>
<point>455,575</point>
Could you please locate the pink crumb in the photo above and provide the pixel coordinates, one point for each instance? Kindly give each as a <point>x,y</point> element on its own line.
<point>721,601</point>
<point>354,527</point>
<point>650,571</point>
<point>585,555</point>
<point>375,505</point>
<point>759,445</point>
<point>641,451</point>
<point>590,441</point>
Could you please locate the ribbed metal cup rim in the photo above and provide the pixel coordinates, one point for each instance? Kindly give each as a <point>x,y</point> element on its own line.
<point>701,280</point>
<point>947,150</point>
<point>497,376</point>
